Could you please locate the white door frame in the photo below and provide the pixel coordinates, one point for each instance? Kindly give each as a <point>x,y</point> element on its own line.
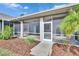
<point>50,22</point>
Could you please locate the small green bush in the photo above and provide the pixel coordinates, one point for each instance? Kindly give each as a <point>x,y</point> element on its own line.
<point>6,34</point>
<point>1,36</point>
<point>30,39</point>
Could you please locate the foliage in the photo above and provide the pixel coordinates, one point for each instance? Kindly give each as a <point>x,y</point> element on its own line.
<point>70,24</point>
<point>6,34</point>
<point>0,20</point>
<point>1,36</point>
<point>21,14</point>
<point>30,39</point>
<point>76,8</point>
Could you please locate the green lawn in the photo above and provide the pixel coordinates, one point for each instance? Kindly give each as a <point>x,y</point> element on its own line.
<point>6,52</point>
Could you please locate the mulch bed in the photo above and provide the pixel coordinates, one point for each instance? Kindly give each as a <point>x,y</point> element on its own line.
<point>18,46</point>
<point>64,50</point>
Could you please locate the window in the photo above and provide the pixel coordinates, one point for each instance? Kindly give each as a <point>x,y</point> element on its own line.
<point>17,28</point>
<point>34,27</point>
<point>6,22</point>
<point>9,23</point>
<point>56,23</point>
<point>38,27</point>
<point>26,27</point>
<point>76,36</point>
<point>58,32</point>
<point>31,27</point>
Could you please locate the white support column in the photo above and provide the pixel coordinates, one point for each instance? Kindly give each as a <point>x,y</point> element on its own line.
<point>41,29</point>
<point>13,29</point>
<point>21,33</point>
<point>52,34</point>
<point>2,26</point>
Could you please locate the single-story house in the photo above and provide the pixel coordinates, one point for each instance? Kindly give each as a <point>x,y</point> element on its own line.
<point>44,25</point>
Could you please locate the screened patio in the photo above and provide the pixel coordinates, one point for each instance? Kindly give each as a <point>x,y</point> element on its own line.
<point>25,28</point>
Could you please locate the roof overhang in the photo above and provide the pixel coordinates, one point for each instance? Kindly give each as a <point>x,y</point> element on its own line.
<point>45,13</point>
<point>5,19</point>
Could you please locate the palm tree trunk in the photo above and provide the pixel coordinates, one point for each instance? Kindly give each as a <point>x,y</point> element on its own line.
<point>69,45</point>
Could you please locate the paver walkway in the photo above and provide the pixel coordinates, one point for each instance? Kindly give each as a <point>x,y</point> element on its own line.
<point>42,49</point>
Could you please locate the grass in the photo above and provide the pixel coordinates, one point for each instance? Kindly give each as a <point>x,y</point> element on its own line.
<point>6,52</point>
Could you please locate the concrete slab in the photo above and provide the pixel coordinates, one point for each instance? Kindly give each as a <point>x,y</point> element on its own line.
<point>42,49</point>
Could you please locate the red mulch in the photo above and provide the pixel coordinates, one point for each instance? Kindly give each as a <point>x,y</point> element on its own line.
<point>64,50</point>
<point>18,46</point>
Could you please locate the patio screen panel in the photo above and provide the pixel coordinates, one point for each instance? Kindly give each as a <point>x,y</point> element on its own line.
<point>17,29</point>
<point>34,28</point>
<point>25,28</point>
